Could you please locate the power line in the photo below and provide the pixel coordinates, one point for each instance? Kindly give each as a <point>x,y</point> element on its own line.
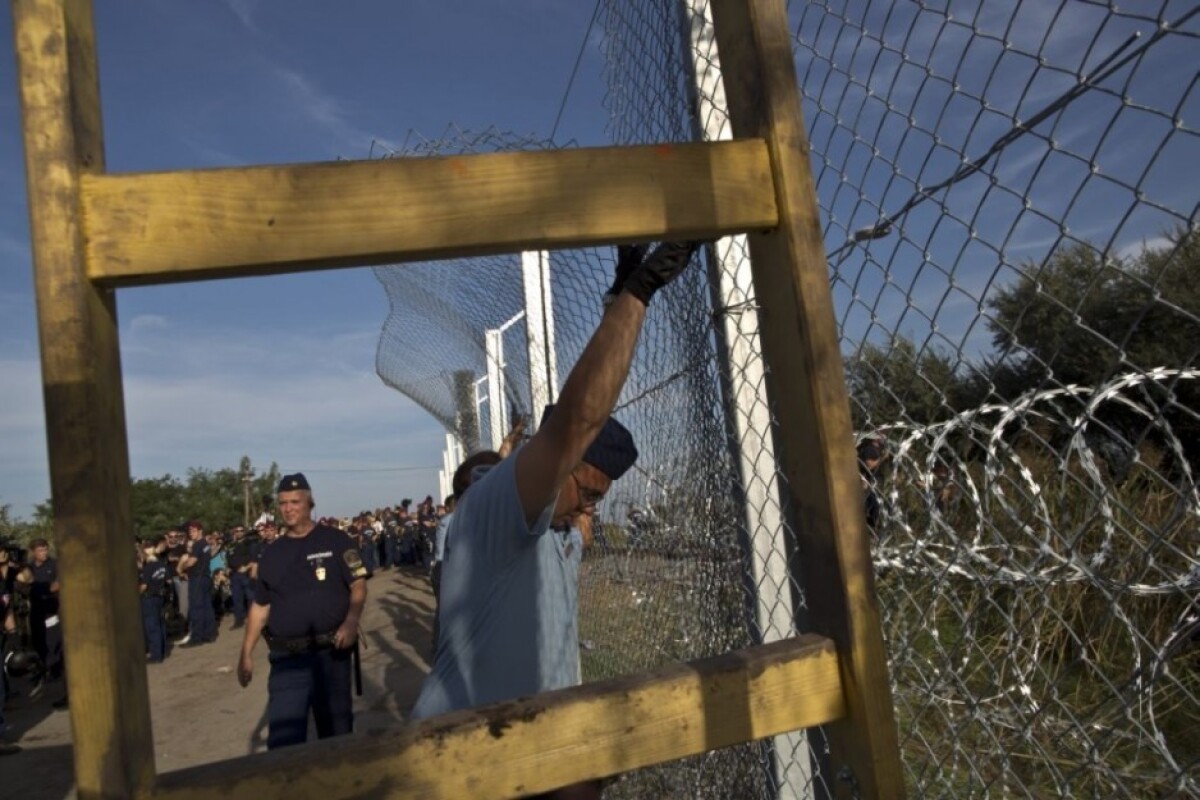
<point>574,70</point>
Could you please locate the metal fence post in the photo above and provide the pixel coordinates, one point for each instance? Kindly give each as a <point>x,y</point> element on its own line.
<point>539,332</point>
<point>747,415</point>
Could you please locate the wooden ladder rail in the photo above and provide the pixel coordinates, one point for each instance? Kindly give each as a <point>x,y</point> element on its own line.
<point>93,232</point>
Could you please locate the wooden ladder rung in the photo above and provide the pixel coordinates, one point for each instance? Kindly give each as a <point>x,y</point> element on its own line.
<point>145,228</point>
<point>553,739</point>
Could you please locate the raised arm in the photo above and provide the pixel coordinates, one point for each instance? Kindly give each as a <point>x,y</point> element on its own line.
<point>595,382</point>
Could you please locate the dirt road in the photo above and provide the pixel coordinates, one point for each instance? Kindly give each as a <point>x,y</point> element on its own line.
<point>199,712</point>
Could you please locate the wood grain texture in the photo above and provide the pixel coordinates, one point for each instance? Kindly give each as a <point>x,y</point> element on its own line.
<point>85,418</point>
<point>172,226</point>
<point>551,740</point>
<point>800,343</point>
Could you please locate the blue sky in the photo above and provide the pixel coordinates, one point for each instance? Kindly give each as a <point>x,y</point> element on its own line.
<point>283,368</point>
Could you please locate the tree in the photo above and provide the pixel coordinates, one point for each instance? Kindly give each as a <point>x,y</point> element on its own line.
<point>156,504</point>
<point>215,497</point>
<point>9,530</point>
<point>1084,318</point>
<point>900,384</point>
<point>17,532</point>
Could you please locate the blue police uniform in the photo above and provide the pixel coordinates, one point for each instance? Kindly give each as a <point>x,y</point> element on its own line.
<point>306,583</point>
<point>369,551</point>
<point>44,628</point>
<point>153,578</point>
<point>202,618</point>
<point>391,546</point>
<point>241,586</point>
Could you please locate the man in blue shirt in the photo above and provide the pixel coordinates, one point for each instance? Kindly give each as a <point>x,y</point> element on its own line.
<point>509,593</point>
<point>202,617</point>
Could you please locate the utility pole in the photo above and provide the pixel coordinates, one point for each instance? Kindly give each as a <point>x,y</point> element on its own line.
<point>247,479</point>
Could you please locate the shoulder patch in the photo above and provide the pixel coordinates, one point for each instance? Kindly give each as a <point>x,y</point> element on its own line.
<point>354,562</point>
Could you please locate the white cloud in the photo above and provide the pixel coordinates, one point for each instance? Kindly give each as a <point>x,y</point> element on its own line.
<point>146,322</point>
<point>204,401</point>
<point>210,154</point>
<point>1131,250</point>
<point>325,110</point>
<point>316,405</point>
<point>245,10</point>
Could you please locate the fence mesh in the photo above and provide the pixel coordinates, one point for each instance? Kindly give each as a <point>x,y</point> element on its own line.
<point>1010,207</point>
<point>1013,253</point>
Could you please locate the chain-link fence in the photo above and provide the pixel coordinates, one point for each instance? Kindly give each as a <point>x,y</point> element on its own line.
<point>1010,216</point>
<point>664,580</point>
<point>1014,254</point>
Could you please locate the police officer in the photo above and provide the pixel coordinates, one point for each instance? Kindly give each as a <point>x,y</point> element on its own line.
<point>367,547</point>
<point>390,539</point>
<point>152,584</point>
<point>243,554</point>
<point>175,550</point>
<point>310,595</point>
<point>202,617</point>
<point>44,627</point>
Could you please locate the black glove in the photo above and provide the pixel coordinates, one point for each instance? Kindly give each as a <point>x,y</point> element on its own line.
<point>629,258</point>
<point>662,266</point>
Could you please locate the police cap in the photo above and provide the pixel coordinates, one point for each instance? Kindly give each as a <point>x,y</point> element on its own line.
<point>293,483</point>
<point>613,451</point>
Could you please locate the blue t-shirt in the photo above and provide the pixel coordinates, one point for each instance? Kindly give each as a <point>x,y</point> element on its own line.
<point>154,575</point>
<point>509,602</point>
<point>201,552</point>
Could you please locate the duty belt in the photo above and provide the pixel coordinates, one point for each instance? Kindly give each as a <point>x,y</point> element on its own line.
<point>299,644</point>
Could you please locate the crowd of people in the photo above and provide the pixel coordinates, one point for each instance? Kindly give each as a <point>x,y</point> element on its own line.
<point>191,578</point>
<point>31,640</point>
<point>507,560</point>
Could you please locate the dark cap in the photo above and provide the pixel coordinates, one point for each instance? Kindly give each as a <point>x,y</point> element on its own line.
<point>613,451</point>
<point>869,452</point>
<point>293,483</point>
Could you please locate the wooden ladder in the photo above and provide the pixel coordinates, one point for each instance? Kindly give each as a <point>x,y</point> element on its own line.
<point>94,232</point>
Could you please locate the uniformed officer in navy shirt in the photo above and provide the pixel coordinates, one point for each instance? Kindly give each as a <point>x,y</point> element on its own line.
<point>152,584</point>
<point>202,617</point>
<point>243,555</point>
<point>44,628</point>
<point>310,596</point>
